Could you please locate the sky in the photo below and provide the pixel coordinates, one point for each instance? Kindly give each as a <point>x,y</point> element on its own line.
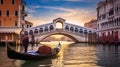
<point>73,11</point>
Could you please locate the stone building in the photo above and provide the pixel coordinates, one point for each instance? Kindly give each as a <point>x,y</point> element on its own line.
<point>12,19</point>
<point>108,24</point>
<point>91,24</point>
<point>28,24</point>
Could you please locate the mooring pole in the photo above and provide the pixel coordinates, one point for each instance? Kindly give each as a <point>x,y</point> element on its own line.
<point>6,42</point>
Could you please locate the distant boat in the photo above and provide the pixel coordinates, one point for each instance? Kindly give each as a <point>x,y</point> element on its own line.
<point>12,54</point>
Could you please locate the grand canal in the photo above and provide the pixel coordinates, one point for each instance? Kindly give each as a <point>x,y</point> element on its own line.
<point>71,55</point>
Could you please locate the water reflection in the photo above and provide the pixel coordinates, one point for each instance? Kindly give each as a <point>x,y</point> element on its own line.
<point>109,56</point>
<point>71,55</point>
<point>80,56</point>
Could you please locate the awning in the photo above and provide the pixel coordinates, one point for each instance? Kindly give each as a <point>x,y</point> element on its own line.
<point>10,30</point>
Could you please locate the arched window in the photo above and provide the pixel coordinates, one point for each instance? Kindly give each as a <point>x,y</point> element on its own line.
<point>71,29</point>
<point>117,21</point>
<point>16,13</point>
<point>66,27</point>
<point>36,31</point>
<point>16,23</point>
<point>46,28</point>
<point>80,31</point>
<point>85,31</point>
<point>59,25</point>
<point>31,32</point>
<point>41,30</point>
<point>26,33</point>
<point>2,1</point>
<point>0,12</point>
<point>7,13</point>
<point>76,29</point>
<point>51,27</point>
<point>13,2</point>
<point>90,32</point>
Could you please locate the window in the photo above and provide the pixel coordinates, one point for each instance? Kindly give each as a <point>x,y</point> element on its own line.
<point>7,13</point>
<point>26,33</point>
<point>27,26</point>
<point>0,23</point>
<point>85,31</point>
<point>51,27</point>
<point>31,32</point>
<point>36,31</point>
<point>103,16</point>
<point>80,31</point>
<point>30,25</point>
<point>1,1</point>
<point>16,24</point>
<point>111,12</point>
<point>16,13</point>
<point>41,30</point>
<point>90,32</point>
<point>0,13</point>
<point>76,29</point>
<point>66,27</point>
<point>46,28</point>
<point>13,1</point>
<point>71,29</point>
<point>59,25</point>
<point>117,21</point>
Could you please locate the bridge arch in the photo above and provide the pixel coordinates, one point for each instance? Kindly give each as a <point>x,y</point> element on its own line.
<point>68,35</point>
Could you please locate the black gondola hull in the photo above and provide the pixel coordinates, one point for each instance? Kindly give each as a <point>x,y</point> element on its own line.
<point>12,54</point>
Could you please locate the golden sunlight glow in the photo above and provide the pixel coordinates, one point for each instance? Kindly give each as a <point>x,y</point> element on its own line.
<point>57,36</point>
<point>59,25</point>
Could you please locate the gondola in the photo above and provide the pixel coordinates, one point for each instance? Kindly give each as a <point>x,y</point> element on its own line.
<point>12,54</point>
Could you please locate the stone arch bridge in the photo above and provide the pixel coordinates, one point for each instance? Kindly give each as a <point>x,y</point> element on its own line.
<point>75,32</point>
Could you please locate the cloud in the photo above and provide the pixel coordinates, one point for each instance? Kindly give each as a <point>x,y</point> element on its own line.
<point>67,0</point>
<point>61,0</point>
<point>71,0</point>
<point>67,11</point>
<point>30,10</point>
<point>72,15</point>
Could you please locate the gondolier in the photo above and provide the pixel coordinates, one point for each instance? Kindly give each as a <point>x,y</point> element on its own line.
<point>25,43</point>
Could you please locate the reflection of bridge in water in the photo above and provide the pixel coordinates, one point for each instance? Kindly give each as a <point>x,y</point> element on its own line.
<point>75,32</point>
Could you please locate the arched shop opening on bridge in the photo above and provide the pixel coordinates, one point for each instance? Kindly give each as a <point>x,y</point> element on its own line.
<point>59,25</point>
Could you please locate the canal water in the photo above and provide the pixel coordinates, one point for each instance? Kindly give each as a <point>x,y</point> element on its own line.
<point>71,55</point>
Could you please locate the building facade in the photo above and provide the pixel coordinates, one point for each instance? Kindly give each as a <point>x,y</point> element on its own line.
<point>108,24</point>
<point>28,24</point>
<point>12,15</point>
<point>91,24</point>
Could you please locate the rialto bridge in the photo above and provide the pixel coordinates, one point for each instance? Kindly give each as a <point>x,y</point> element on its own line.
<point>75,32</point>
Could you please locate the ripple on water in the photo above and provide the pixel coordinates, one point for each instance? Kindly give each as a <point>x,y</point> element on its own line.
<point>80,57</point>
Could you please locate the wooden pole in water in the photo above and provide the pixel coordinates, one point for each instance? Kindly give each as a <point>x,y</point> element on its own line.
<point>6,42</point>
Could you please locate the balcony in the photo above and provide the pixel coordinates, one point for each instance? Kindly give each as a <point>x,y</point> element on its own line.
<point>24,13</point>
